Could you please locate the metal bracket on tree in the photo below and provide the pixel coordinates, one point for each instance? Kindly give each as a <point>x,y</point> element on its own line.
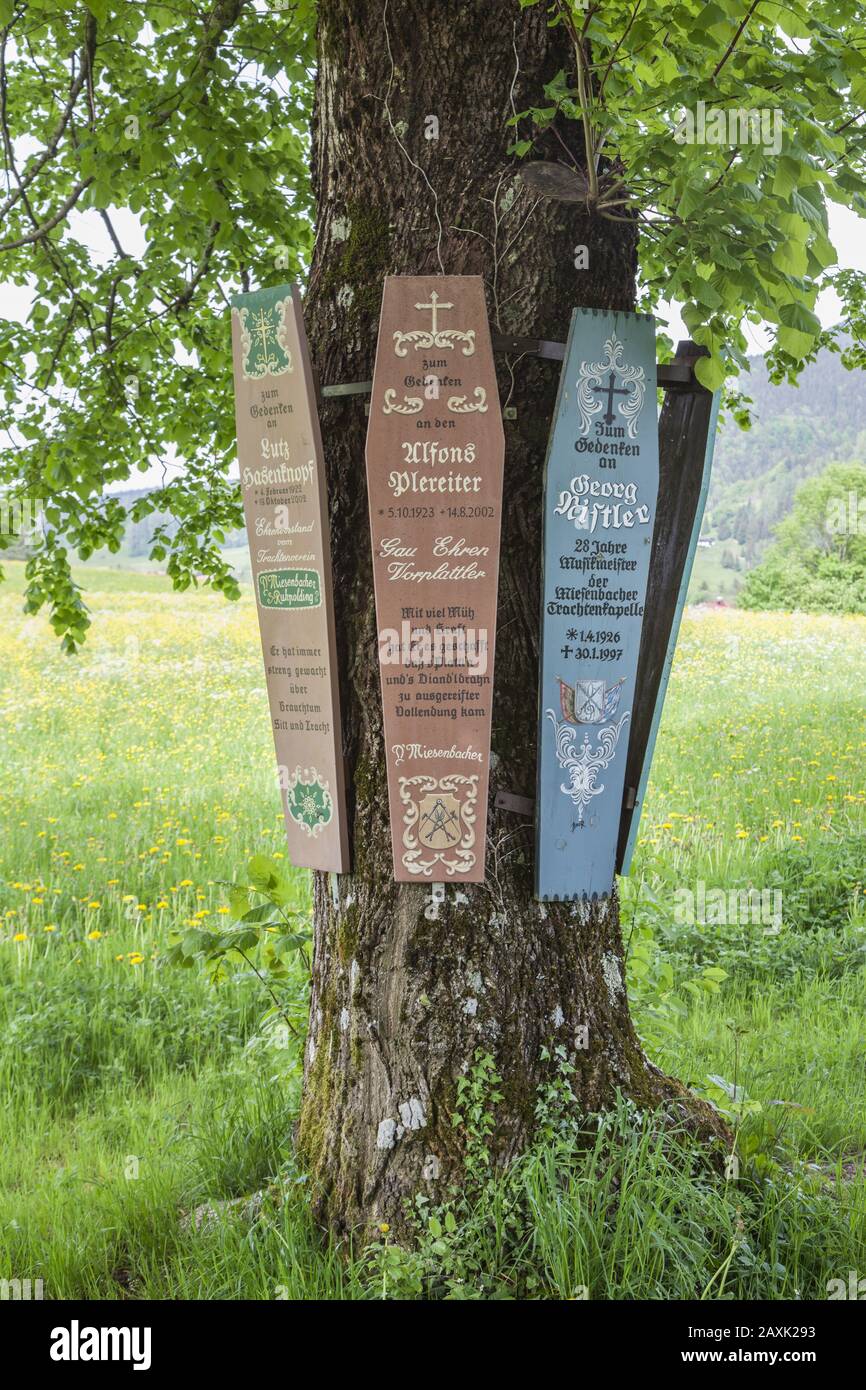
<point>676,374</point>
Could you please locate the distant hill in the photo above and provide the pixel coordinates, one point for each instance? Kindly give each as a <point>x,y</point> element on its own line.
<point>796,432</point>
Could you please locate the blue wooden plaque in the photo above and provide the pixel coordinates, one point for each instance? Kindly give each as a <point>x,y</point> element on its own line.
<point>601,487</point>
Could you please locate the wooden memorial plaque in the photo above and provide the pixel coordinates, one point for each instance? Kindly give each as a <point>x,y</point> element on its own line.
<point>601,488</point>
<point>435,453</point>
<point>286,509</point>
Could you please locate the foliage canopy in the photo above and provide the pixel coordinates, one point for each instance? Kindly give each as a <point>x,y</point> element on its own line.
<point>195,121</point>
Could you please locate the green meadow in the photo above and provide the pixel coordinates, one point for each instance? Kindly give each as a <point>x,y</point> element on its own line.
<point>147,1112</point>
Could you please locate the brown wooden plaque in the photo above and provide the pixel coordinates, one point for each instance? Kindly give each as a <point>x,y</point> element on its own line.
<point>435,452</point>
<point>286,508</point>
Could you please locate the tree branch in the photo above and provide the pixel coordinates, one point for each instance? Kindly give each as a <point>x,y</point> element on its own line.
<point>52,222</point>
<point>222,17</point>
<point>183,299</point>
<point>87,52</point>
<point>617,47</point>
<point>113,234</point>
<point>735,40</point>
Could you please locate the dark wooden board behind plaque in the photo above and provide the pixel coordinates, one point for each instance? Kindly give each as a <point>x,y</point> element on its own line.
<point>686,438</point>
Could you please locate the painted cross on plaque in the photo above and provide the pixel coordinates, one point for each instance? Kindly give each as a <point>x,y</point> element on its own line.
<point>435,451</point>
<point>601,487</point>
<point>282,477</point>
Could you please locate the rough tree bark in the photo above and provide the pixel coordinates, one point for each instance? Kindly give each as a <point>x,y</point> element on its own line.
<point>402,999</point>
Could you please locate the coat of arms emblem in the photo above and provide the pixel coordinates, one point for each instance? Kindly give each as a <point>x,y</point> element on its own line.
<point>308,800</point>
<point>439,823</point>
<point>264,342</point>
<point>589,701</point>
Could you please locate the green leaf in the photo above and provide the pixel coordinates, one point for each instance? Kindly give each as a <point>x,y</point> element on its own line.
<point>791,258</point>
<point>261,916</point>
<point>786,177</point>
<point>797,316</point>
<point>263,872</point>
<point>690,201</point>
<point>239,901</point>
<point>710,372</point>
<point>793,342</point>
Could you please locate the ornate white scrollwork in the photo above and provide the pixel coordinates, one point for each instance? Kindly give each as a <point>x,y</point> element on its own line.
<point>422,338</point>
<point>591,389</point>
<point>461,406</point>
<point>583,762</point>
<point>411,404</point>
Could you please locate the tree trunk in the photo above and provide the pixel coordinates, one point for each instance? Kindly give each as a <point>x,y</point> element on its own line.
<point>405,992</point>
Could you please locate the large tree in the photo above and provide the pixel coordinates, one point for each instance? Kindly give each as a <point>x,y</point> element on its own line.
<point>197,123</point>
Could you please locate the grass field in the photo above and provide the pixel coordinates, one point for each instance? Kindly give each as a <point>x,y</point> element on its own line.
<point>136,782</point>
<point>710,578</point>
